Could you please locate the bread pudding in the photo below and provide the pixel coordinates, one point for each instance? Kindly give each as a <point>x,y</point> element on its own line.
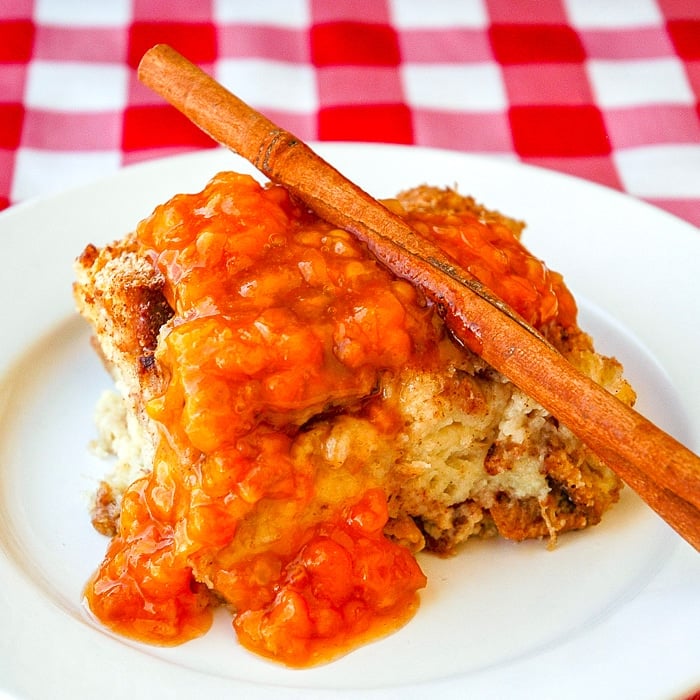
<point>291,423</point>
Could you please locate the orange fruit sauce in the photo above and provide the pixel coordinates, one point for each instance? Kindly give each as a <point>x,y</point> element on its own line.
<point>280,318</point>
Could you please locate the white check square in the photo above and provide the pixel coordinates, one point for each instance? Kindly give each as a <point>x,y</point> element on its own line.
<point>471,87</point>
<point>83,13</point>
<point>613,14</point>
<point>408,14</point>
<point>284,13</point>
<point>270,84</point>
<point>40,173</point>
<point>639,82</point>
<point>76,87</point>
<point>671,171</point>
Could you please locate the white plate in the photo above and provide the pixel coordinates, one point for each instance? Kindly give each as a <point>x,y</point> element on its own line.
<point>613,612</point>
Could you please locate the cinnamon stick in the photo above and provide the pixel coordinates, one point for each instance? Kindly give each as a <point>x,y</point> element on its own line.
<point>659,468</point>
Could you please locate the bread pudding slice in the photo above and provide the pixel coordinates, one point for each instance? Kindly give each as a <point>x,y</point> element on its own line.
<point>283,401</point>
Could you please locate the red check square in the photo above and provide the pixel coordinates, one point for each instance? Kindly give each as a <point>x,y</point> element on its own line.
<point>685,35</point>
<point>7,164</point>
<point>197,42</point>
<point>568,130</point>
<point>354,43</point>
<point>11,118</point>
<point>692,68</point>
<point>16,41</point>
<point>382,123</point>
<point>160,126</point>
<point>524,43</point>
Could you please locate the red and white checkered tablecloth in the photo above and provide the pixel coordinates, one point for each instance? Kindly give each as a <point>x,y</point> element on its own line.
<point>608,90</point>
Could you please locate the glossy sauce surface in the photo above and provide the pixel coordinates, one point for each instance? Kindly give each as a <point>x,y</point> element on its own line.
<point>279,319</point>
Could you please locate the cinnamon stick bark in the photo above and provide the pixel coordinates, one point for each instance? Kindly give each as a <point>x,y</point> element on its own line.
<point>660,469</point>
